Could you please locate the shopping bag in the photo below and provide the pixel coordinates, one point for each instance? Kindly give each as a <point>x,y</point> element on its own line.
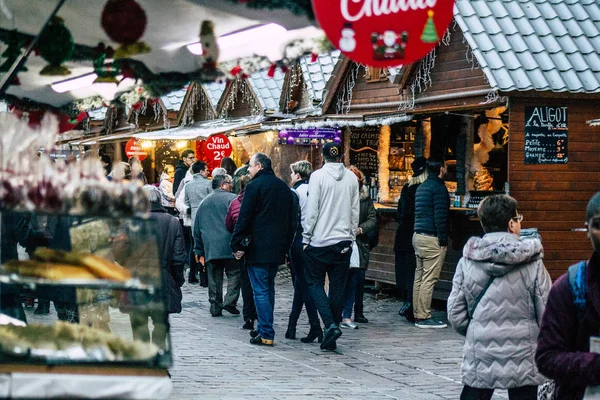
<point>354,257</point>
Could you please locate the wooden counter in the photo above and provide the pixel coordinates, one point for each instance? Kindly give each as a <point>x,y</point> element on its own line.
<point>463,224</point>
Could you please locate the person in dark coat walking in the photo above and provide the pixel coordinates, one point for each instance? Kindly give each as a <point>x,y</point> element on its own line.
<point>249,309</point>
<point>172,256</point>
<point>263,234</point>
<point>430,240</point>
<point>212,249</point>
<point>300,174</point>
<point>405,252</point>
<point>563,346</point>
<point>188,157</point>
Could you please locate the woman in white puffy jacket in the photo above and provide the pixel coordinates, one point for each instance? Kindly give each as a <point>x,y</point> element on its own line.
<point>167,198</point>
<point>499,291</point>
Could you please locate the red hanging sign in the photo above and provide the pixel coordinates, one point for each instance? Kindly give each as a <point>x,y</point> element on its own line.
<point>384,33</point>
<point>133,148</point>
<point>217,147</point>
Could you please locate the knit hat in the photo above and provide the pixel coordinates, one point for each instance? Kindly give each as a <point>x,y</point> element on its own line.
<point>418,166</point>
<point>332,150</point>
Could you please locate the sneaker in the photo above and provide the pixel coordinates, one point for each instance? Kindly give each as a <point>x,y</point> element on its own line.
<point>347,323</point>
<point>430,323</point>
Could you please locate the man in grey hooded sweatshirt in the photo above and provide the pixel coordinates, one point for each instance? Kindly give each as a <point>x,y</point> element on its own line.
<point>330,226</point>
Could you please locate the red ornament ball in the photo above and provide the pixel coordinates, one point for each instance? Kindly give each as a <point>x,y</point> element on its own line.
<point>124,21</point>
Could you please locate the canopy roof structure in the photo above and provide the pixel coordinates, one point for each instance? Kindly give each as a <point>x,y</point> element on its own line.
<point>171,26</point>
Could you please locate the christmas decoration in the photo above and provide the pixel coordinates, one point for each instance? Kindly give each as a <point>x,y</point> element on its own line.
<point>383,153</point>
<point>210,48</point>
<point>430,33</point>
<point>124,21</point>
<point>56,46</point>
<point>12,52</point>
<point>107,73</point>
<point>384,33</point>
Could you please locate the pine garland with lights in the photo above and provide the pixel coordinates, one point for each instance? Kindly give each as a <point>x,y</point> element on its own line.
<point>383,153</point>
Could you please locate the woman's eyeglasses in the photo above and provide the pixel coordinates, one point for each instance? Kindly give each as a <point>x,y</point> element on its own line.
<point>518,218</point>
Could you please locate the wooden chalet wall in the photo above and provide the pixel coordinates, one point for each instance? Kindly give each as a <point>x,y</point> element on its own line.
<point>452,74</point>
<point>553,198</point>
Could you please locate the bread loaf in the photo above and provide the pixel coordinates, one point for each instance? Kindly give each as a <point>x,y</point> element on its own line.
<point>100,267</point>
<point>55,272</point>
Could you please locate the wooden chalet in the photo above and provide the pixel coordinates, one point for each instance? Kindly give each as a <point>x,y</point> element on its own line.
<point>500,66</point>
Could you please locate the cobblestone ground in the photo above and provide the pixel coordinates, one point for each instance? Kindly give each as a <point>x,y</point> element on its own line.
<point>388,358</point>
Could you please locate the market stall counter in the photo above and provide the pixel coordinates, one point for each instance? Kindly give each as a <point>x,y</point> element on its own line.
<point>463,224</point>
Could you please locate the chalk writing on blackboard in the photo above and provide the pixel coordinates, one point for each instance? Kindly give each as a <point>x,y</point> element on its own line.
<point>364,143</point>
<point>546,135</point>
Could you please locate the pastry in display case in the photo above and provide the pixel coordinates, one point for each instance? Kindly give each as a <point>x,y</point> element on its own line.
<point>116,277</point>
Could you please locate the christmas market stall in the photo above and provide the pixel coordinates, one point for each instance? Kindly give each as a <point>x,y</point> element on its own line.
<point>536,77</point>
<point>95,272</point>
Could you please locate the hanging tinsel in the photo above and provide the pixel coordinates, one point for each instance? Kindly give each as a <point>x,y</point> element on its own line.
<point>56,46</point>
<point>344,99</point>
<point>12,52</point>
<point>124,21</point>
<point>240,91</point>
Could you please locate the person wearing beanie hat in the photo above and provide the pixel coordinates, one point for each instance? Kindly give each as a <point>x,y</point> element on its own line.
<point>405,252</point>
<point>330,226</point>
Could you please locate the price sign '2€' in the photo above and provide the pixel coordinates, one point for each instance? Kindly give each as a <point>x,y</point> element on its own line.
<point>217,147</point>
<point>384,33</point>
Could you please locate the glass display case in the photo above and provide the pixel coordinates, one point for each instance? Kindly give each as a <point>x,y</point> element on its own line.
<point>83,297</point>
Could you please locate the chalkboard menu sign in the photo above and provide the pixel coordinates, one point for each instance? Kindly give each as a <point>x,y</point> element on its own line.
<point>364,143</point>
<point>546,135</point>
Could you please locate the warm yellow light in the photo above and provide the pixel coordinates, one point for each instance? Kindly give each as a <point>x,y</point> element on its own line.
<point>181,144</point>
<point>146,144</point>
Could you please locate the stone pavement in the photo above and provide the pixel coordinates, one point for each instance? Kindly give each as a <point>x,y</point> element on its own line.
<point>387,358</point>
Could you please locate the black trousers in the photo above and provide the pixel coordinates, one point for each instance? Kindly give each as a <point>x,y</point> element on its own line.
<point>334,261</point>
<point>249,309</point>
<point>520,393</point>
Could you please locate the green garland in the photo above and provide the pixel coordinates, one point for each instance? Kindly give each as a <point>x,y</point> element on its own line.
<point>298,7</point>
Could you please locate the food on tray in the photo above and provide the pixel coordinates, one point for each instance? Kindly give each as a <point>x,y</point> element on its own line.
<point>483,180</point>
<point>59,265</point>
<point>55,272</point>
<point>79,341</point>
<point>100,267</point>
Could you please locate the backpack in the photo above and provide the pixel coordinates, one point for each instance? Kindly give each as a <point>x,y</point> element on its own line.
<point>578,285</point>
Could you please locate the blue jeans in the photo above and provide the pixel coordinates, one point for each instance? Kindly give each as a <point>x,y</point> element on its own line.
<point>350,292</point>
<point>302,296</point>
<point>262,278</point>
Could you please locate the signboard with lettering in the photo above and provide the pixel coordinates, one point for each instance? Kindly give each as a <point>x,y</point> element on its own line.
<point>364,143</point>
<point>384,33</point>
<point>310,136</point>
<point>133,148</point>
<point>217,147</point>
<point>546,135</point>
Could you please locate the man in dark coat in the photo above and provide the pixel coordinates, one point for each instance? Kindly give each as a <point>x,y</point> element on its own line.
<point>172,256</point>
<point>263,234</point>
<point>187,159</point>
<point>430,240</point>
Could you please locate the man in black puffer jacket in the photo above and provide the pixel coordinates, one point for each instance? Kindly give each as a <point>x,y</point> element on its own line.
<point>430,241</point>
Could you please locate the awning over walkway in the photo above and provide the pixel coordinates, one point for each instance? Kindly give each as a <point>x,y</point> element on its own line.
<point>201,130</point>
<point>330,121</point>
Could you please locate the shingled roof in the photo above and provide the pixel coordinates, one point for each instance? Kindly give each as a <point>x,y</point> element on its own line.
<point>174,100</point>
<point>534,44</point>
<point>317,74</point>
<point>267,89</point>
